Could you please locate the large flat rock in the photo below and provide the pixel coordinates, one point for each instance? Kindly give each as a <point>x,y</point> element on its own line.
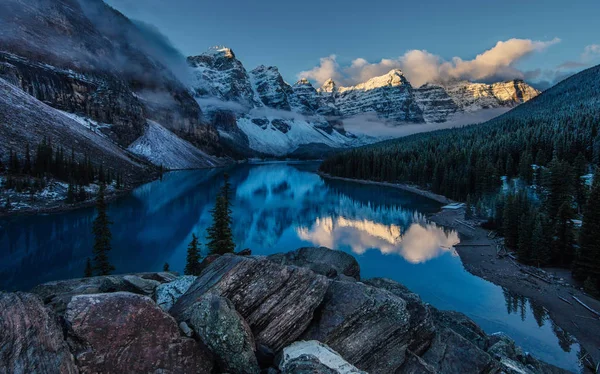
<point>123,332</point>
<point>31,341</point>
<point>277,301</point>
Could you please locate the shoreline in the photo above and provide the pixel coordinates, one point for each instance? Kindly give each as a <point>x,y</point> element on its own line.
<point>402,186</point>
<point>478,255</point>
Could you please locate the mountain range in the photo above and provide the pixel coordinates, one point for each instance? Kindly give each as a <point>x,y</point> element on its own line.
<point>88,67</point>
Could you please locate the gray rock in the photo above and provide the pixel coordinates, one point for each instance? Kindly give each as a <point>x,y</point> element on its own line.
<point>167,294</point>
<point>415,365</point>
<point>321,260</point>
<point>462,325</point>
<point>215,320</point>
<point>313,357</point>
<point>277,301</point>
<point>143,286</point>
<point>367,326</point>
<point>31,341</point>
<point>451,353</point>
<point>421,319</point>
<point>123,332</point>
<point>58,294</point>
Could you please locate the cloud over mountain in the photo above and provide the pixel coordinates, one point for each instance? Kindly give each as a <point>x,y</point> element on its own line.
<point>421,66</point>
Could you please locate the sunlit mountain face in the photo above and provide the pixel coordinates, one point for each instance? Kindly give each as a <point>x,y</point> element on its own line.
<point>279,207</point>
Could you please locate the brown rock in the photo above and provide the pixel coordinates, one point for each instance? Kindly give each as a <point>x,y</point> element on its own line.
<point>123,332</point>
<point>31,341</point>
<point>321,260</point>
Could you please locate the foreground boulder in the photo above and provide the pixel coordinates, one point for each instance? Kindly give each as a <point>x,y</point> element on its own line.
<point>451,353</point>
<point>127,333</point>
<point>421,326</point>
<point>461,324</point>
<point>58,294</point>
<point>321,260</point>
<point>276,301</point>
<point>313,357</point>
<point>367,326</point>
<point>167,294</point>
<point>31,341</point>
<point>216,322</point>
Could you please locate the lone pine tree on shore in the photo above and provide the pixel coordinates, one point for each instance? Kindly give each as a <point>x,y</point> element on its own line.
<point>220,235</point>
<point>89,271</point>
<point>192,263</point>
<point>102,236</point>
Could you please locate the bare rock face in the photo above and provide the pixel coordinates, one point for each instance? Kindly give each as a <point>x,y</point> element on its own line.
<point>321,260</point>
<point>421,320</point>
<point>167,294</point>
<point>277,301</point>
<point>58,294</point>
<point>367,326</point>
<point>126,333</point>
<point>462,325</point>
<point>314,357</point>
<point>451,353</point>
<point>415,365</point>
<point>31,341</point>
<point>215,320</point>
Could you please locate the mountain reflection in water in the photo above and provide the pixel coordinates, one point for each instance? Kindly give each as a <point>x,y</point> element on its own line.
<point>280,207</point>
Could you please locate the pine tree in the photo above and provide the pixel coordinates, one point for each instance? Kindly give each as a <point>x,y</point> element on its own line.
<point>564,238</point>
<point>469,208</point>
<point>192,263</point>
<point>587,262</point>
<point>540,239</point>
<point>102,236</point>
<point>88,268</point>
<point>70,194</point>
<point>220,235</point>
<point>166,267</point>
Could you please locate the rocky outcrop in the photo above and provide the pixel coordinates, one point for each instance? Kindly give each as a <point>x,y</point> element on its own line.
<point>58,294</point>
<point>31,340</point>
<point>367,326</point>
<point>471,97</point>
<point>436,104</point>
<point>421,323</point>
<point>247,314</point>
<point>277,301</point>
<point>271,88</point>
<point>215,320</point>
<point>167,294</point>
<point>127,333</point>
<point>313,357</point>
<point>324,261</point>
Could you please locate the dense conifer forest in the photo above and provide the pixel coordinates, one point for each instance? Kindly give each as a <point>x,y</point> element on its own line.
<point>548,144</point>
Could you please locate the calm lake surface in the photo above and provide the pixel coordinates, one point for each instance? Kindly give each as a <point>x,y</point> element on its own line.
<point>280,207</point>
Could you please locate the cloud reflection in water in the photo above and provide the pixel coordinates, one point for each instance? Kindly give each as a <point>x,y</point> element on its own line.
<point>420,242</point>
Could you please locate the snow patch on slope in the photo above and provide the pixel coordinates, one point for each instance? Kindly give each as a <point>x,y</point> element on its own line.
<point>161,147</point>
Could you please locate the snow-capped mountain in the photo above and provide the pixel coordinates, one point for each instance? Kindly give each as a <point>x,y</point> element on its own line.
<point>259,111</point>
<point>392,97</point>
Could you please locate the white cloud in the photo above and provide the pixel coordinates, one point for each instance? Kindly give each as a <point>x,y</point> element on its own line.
<point>591,52</point>
<point>421,66</point>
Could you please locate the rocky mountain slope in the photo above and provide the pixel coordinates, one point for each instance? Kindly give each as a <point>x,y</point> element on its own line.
<point>83,57</point>
<point>298,312</point>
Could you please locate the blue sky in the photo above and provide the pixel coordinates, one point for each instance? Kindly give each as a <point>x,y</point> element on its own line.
<point>295,35</point>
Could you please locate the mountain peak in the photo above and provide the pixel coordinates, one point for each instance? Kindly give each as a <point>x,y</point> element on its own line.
<point>328,86</point>
<point>220,51</point>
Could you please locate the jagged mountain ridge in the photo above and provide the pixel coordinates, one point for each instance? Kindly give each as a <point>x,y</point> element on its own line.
<point>258,110</point>
<point>392,97</point>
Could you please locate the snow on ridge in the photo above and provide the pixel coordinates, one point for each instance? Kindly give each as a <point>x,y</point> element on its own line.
<point>161,147</point>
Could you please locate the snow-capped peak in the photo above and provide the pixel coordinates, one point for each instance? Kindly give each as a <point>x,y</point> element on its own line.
<point>393,78</point>
<point>220,51</point>
<point>329,86</point>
